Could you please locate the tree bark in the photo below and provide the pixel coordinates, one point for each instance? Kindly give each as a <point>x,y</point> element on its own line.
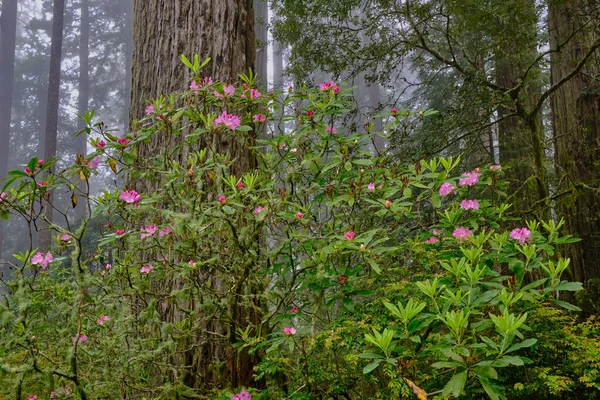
<point>576,127</point>
<point>261,10</point>
<point>128,33</point>
<point>223,30</point>
<point>52,109</point>
<point>8,31</point>
<point>515,138</point>
<point>84,89</point>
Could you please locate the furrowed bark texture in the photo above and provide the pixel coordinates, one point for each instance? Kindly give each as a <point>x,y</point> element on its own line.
<point>576,126</point>
<point>164,30</point>
<point>223,30</point>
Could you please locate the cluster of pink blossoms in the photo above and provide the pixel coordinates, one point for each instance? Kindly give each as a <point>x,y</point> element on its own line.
<point>222,199</point>
<point>520,234</point>
<point>252,94</point>
<point>470,178</point>
<point>446,189</point>
<point>93,163</point>
<point>469,205</point>
<point>149,109</point>
<point>130,196</point>
<point>350,235</point>
<point>80,338</point>
<point>331,129</point>
<point>102,144</point>
<point>229,120</point>
<point>258,209</point>
<point>327,86</point>
<point>102,319</point>
<point>148,231</point>
<point>206,81</point>
<point>258,118</point>
<point>2,196</point>
<point>289,331</point>
<point>228,91</point>
<point>42,260</point>
<point>295,310</point>
<point>243,395</point>
<point>146,269</point>
<point>462,234</point>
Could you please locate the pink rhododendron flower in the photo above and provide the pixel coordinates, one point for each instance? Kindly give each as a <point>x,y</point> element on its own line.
<point>259,118</point>
<point>80,338</point>
<point>240,185</point>
<point>295,310</point>
<point>28,171</point>
<point>299,215</point>
<point>149,230</point>
<point>229,120</point>
<point>194,86</point>
<point>222,199</point>
<point>462,234</point>
<point>42,260</point>
<point>336,89</point>
<point>495,167</point>
<point>40,163</point>
<point>206,81</point>
<point>120,232</point>
<point>102,319</point>
<point>446,189</point>
<point>41,184</point>
<point>436,232</point>
<point>394,110</point>
<point>342,280</point>
<point>32,397</point>
<point>108,267</point>
<point>101,144</point>
<point>252,94</point>
<point>243,395</point>
<point>149,109</point>
<point>289,331</point>
<point>388,204</point>
<point>310,114</point>
<point>2,196</point>
<point>331,129</point>
<point>469,178</point>
<point>432,240</point>
<point>146,269</point>
<point>294,150</point>
<point>66,238</point>
<point>258,209</point>
<point>166,231</point>
<point>325,86</point>
<point>123,141</point>
<point>350,235</point>
<point>130,196</point>
<point>469,205</point>
<point>520,234</point>
<point>371,186</point>
<point>93,163</point>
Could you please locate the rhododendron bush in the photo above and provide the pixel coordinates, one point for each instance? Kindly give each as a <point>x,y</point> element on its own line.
<point>333,273</point>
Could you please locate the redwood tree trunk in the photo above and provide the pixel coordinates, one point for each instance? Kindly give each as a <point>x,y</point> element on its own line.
<point>223,30</point>
<point>576,126</point>
<point>52,108</point>
<point>8,29</point>
<point>84,89</point>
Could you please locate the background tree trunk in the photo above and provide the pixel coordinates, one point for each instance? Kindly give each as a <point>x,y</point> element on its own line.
<point>223,30</point>
<point>84,88</point>
<point>576,128</point>
<point>8,29</point>
<point>261,11</point>
<point>52,108</point>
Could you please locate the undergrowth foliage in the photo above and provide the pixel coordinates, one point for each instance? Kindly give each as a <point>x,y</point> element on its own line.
<point>336,273</point>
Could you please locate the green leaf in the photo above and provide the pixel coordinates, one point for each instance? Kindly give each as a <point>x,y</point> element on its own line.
<point>566,305</point>
<point>374,265</point>
<point>489,388</point>
<point>371,366</point>
<point>370,355</point>
<point>347,166</point>
<point>228,210</point>
<point>455,385</point>
<point>570,286</point>
<point>243,128</point>
<point>521,345</point>
<point>348,303</point>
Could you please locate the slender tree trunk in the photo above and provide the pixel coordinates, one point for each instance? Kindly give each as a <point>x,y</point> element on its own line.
<point>84,89</point>
<point>128,32</point>
<point>278,82</point>
<point>576,127</point>
<point>261,10</point>
<point>52,108</point>
<point>8,31</point>
<point>517,145</point>
<point>223,30</point>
